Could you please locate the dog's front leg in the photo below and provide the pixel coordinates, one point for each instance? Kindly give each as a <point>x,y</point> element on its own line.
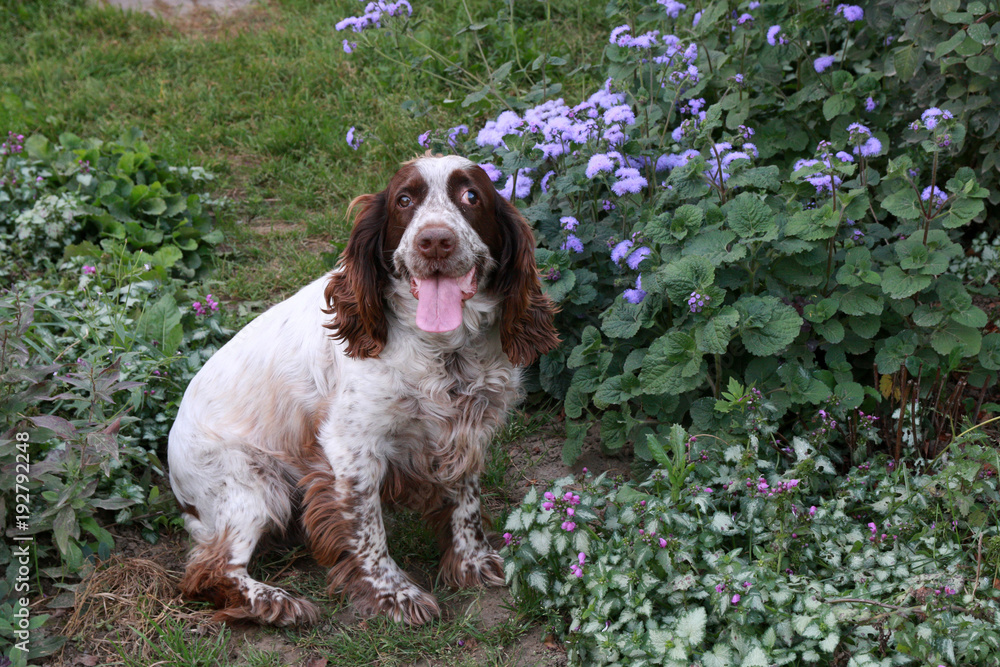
<point>343,519</point>
<point>468,558</point>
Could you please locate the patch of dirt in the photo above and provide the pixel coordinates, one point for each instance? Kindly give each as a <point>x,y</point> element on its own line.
<point>207,18</point>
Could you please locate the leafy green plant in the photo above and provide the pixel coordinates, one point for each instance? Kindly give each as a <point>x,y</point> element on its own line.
<point>55,194</point>
<point>765,557</point>
<point>687,247</point>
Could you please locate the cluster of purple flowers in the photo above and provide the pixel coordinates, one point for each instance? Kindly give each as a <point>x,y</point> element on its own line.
<point>210,306</point>
<point>935,195</point>
<point>822,63</point>
<point>851,13</point>
<point>577,568</point>
<point>877,537</point>
<point>636,294</point>
<point>566,503</point>
<point>735,599</point>
<point>697,302</point>
<point>775,36</point>
<point>864,143</point>
<point>13,145</point>
<point>672,7</point>
<point>372,16</point>
<point>723,155</point>
<point>931,118</point>
<point>824,180</point>
<point>761,488</point>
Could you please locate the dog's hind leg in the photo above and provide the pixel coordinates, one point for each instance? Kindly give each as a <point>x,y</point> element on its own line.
<point>238,516</point>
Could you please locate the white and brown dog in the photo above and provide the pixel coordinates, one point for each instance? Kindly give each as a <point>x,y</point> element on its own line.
<point>434,308</point>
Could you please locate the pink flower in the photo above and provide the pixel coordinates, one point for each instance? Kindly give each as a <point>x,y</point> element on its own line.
<point>663,543</point>
<point>736,599</point>
<point>568,526</point>
<point>89,270</point>
<point>507,538</point>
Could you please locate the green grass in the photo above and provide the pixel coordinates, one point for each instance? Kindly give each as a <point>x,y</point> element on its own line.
<point>264,99</point>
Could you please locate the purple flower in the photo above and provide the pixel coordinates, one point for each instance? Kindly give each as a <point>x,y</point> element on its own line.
<point>621,113</point>
<point>697,302</point>
<point>548,505</point>
<point>696,20</point>
<point>635,259</point>
<point>744,18</point>
<point>672,7</point>
<point>932,117</point>
<point>599,163</point>
<point>491,170</point>
<point>823,62</point>
<point>353,142</point>
<point>616,35</point>
<point>870,104</point>
<point>568,222</point>
<point>719,588</point>
<point>621,250</point>
<point>523,185</point>
<point>629,181</point>
<point>455,131</point>
<point>568,526</point>
<point>545,181</point>
<point>424,138</point>
<point>507,538</point>
<point>736,599</point>
<point>573,243</point>
<point>349,46</point>
<point>89,270</point>
<point>851,12</point>
<point>935,195</point>
<point>636,296</point>
<point>870,148</point>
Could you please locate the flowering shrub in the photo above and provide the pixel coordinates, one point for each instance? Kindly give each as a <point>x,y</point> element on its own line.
<point>731,553</point>
<point>56,194</point>
<point>740,200</point>
<point>98,340</point>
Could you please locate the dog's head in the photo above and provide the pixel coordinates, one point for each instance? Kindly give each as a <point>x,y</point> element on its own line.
<point>442,228</point>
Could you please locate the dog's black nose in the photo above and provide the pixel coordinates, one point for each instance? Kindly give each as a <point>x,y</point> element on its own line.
<point>436,242</point>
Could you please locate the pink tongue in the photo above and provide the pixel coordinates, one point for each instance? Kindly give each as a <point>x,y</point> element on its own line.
<point>439,307</point>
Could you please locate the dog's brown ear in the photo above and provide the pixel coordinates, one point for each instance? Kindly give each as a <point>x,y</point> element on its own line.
<point>526,324</point>
<point>354,293</point>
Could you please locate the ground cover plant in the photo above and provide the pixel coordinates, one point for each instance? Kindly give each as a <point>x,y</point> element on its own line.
<point>758,219</point>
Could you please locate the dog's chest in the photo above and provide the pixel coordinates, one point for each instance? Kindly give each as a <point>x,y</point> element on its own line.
<point>461,400</point>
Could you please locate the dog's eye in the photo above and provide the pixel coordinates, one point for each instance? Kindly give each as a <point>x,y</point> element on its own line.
<point>470,197</point>
<point>403,201</point>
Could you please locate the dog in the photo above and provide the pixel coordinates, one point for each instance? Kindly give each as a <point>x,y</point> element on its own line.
<point>381,383</point>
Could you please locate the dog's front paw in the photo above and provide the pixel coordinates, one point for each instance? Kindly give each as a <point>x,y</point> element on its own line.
<point>397,598</point>
<point>479,568</point>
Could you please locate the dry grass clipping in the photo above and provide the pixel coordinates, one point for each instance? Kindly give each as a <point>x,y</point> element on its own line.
<point>125,597</point>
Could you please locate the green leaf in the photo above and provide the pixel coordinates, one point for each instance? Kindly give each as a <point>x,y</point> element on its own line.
<point>767,326</point>
<point>673,365</point>
<point>899,285</point>
<point>161,322</point>
<point>905,58</point>
<point>590,344</point>
<point>477,96</point>
<point>831,330</point>
<point>863,300</point>
<point>573,445</point>
<point>989,353</point>
<point>616,390</point>
<point>691,627</point>
<point>947,46</point>
<point>622,319</point>
<point>688,274</point>
<point>761,178</point>
<point>966,340</point>
<point>749,217</point>
<point>893,351</point>
<point>63,527</point>
<point>714,335</point>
